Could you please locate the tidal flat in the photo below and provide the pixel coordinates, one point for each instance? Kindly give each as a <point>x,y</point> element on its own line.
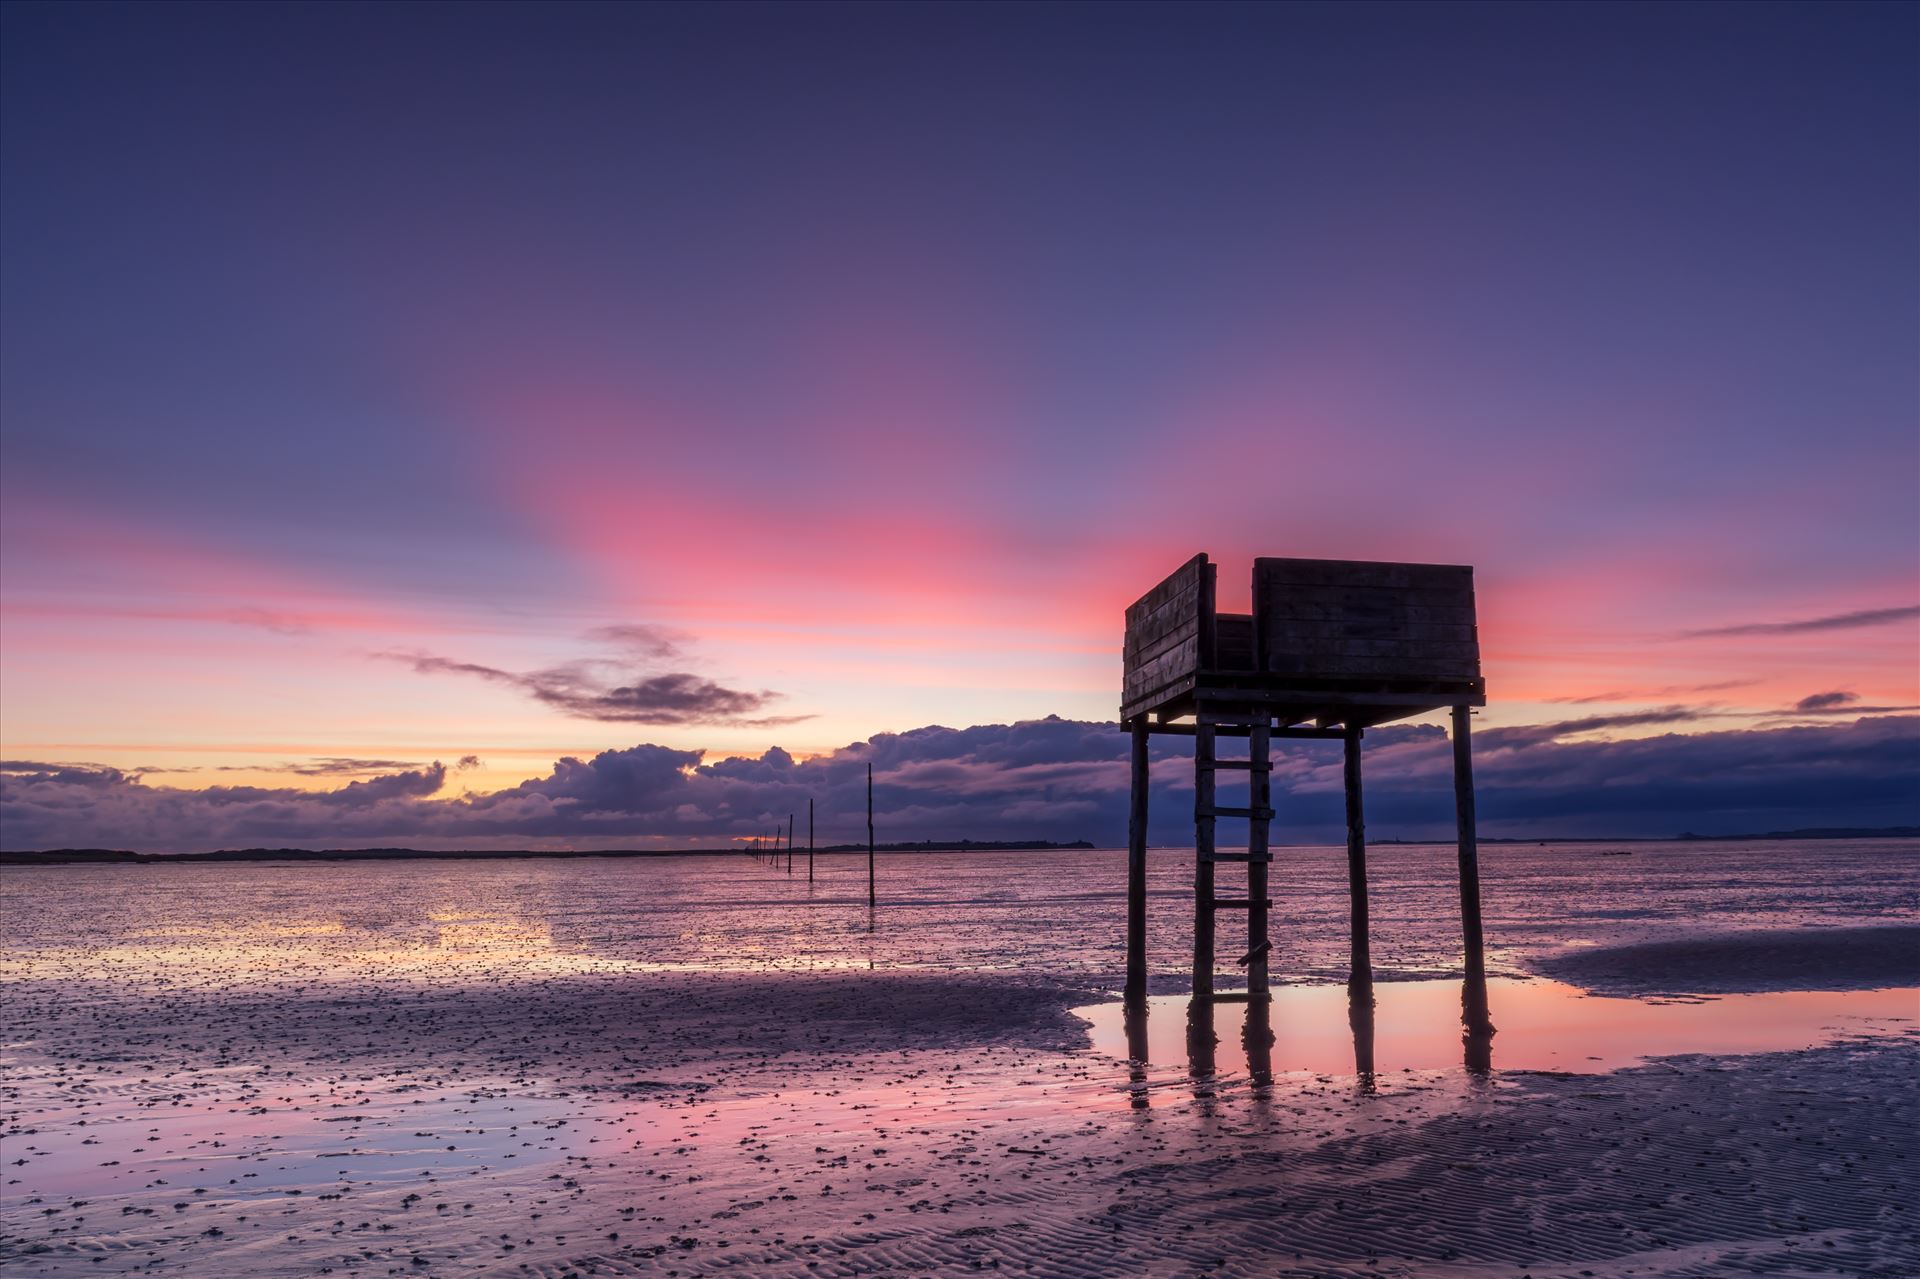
<point>705,1066</point>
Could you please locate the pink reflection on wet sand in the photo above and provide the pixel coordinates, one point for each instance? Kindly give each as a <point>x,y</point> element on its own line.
<point>1543,1025</point>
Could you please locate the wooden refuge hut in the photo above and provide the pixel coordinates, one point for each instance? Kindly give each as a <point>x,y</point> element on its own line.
<point>1331,648</point>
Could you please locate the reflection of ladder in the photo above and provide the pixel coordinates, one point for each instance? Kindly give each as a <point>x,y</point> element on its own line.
<point>1258,813</point>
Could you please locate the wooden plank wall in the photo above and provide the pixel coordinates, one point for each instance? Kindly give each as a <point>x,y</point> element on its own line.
<point>1233,642</point>
<point>1356,619</point>
<point>1170,630</point>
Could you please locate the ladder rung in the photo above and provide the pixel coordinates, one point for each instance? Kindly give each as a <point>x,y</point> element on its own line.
<point>1256,814</point>
<point>1238,765</point>
<point>1262,858</point>
<point>1238,903</point>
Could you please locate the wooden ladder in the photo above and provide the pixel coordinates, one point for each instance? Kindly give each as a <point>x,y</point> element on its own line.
<point>1258,813</point>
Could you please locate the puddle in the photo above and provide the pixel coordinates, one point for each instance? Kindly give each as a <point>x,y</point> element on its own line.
<point>1542,1025</point>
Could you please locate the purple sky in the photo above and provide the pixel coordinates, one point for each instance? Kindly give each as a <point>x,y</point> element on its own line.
<point>401,383</point>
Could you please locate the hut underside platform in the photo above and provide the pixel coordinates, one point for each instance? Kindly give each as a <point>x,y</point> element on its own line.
<point>1293,701</point>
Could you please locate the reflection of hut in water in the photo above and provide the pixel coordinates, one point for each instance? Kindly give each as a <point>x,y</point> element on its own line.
<point>1331,648</point>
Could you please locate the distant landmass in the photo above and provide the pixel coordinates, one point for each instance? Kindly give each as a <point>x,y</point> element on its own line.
<point>88,856</point>
<point>112,856</point>
<point>1824,832</point>
<point>1806,832</point>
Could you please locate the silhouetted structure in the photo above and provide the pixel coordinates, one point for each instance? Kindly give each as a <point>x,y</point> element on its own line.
<point>1332,648</point>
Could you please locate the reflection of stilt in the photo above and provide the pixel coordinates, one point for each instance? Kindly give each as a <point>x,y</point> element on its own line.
<point>1257,1035</point>
<point>1135,1019</point>
<point>1479,1043</point>
<point>1200,1045</point>
<point>1360,1017</point>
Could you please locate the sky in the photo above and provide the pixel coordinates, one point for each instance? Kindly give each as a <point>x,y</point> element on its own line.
<point>412,415</point>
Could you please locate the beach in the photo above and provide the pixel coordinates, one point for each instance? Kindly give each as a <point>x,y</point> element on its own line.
<point>706,1066</point>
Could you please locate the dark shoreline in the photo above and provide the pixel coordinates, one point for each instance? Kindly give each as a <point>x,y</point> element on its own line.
<point>123,857</point>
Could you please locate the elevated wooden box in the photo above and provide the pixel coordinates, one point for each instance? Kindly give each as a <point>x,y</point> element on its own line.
<point>1350,642</point>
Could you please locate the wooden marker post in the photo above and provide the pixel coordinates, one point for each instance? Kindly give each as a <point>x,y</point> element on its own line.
<point>789,843</point>
<point>870,892</point>
<point>809,839</point>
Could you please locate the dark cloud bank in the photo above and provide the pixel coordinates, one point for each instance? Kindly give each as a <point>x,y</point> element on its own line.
<point>1045,779</point>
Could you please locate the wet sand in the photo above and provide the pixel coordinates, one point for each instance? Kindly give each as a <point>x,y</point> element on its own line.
<point>202,1104</point>
<point>1770,959</point>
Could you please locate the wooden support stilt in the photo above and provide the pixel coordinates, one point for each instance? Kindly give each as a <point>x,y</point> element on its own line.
<point>1259,797</point>
<point>789,843</point>
<point>870,891</point>
<point>1137,867</point>
<point>1360,974</point>
<point>809,839</point>
<point>1203,906</point>
<point>1473,1001</point>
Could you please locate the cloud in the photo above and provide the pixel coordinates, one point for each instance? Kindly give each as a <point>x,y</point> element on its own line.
<point>1047,779</point>
<point>48,805</point>
<point>267,620</point>
<point>65,774</point>
<point>1647,694</point>
<point>609,691</point>
<point>1821,704</point>
<point>1803,626</point>
<point>652,643</point>
<point>1534,734</point>
<point>324,766</point>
